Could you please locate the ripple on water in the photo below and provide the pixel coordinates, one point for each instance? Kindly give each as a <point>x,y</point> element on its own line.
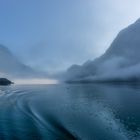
<point>69,112</point>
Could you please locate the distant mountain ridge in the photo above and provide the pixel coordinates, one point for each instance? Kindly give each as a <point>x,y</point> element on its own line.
<point>10,66</point>
<point>121,62</point>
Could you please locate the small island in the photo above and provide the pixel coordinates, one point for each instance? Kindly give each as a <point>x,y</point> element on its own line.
<point>5,82</point>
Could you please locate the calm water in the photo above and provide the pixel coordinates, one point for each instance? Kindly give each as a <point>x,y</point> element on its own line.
<point>70,112</point>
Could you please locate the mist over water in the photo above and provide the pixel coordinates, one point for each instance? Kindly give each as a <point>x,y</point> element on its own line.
<point>70,112</point>
<point>35,81</point>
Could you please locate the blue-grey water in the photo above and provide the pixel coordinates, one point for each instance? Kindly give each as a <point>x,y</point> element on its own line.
<point>70,112</point>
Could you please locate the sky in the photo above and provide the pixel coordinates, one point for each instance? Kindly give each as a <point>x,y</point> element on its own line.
<point>51,35</point>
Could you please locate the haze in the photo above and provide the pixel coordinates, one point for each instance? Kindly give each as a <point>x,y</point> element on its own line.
<point>51,35</point>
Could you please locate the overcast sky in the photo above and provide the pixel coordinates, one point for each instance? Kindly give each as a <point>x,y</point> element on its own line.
<point>54,34</point>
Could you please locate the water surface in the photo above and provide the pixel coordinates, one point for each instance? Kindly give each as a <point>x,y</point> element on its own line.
<point>70,112</point>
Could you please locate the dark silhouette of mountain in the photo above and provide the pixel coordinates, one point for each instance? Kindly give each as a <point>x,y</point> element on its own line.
<point>121,62</point>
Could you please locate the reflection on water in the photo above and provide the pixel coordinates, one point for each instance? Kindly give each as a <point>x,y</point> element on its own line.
<point>70,112</point>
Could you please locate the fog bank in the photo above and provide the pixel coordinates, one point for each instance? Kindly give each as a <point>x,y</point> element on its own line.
<point>121,62</point>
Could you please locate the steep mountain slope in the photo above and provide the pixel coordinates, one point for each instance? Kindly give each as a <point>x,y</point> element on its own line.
<point>11,66</point>
<point>121,62</point>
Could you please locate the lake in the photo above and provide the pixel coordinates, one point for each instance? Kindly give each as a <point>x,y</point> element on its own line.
<point>70,112</point>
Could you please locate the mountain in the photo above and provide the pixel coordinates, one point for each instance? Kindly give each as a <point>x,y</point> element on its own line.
<point>10,66</point>
<point>121,62</point>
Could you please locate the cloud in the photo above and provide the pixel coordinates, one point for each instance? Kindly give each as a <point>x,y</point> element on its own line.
<point>119,63</point>
<point>54,35</point>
